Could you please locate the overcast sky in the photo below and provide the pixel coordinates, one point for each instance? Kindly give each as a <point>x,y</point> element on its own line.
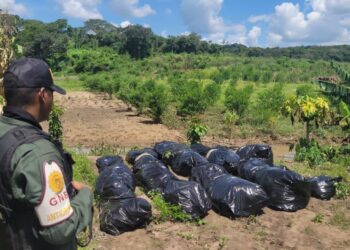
<point>264,23</point>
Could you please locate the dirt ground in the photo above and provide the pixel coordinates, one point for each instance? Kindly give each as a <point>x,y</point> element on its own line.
<point>92,120</point>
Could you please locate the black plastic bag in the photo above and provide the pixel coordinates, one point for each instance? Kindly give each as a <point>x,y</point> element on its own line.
<point>261,151</point>
<point>168,146</point>
<point>206,174</point>
<point>107,161</point>
<point>224,157</point>
<point>118,216</point>
<point>134,154</point>
<point>181,162</point>
<point>248,170</point>
<point>236,197</point>
<point>142,161</point>
<point>287,190</point>
<point>189,195</point>
<point>231,196</point>
<point>323,187</point>
<point>200,149</point>
<point>154,176</point>
<point>116,182</point>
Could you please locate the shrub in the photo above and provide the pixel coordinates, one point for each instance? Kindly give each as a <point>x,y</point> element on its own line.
<point>306,90</point>
<point>238,99</point>
<point>55,125</point>
<point>268,104</point>
<point>195,132</point>
<point>193,100</point>
<point>158,102</point>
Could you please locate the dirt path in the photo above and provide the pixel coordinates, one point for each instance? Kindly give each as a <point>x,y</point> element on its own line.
<point>90,120</point>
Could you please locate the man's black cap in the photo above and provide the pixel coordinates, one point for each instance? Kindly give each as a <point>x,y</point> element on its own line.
<point>30,73</point>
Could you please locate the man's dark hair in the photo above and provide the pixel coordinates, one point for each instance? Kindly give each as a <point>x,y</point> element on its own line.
<point>20,97</point>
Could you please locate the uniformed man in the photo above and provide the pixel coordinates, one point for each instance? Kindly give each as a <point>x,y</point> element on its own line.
<point>41,207</point>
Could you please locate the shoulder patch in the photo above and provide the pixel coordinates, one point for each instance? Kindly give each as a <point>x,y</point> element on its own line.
<point>55,204</point>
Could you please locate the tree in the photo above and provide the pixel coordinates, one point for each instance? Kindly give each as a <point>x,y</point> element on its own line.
<point>307,110</point>
<point>138,41</point>
<point>7,33</point>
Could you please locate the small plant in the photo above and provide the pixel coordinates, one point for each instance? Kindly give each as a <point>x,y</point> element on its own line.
<point>342,190</point>
<point>318,218</point>
<point>222,242</point>
<point>186,236</point>
<point>55,125</point>
<point>230,118</point>
<point>103,149</point>
<point>167,211</point>
<point>195,132</point>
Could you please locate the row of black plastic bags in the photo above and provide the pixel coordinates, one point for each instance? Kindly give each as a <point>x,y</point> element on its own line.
<point>234,184</point>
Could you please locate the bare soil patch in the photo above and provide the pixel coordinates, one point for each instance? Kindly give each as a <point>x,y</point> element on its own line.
<point>91,120</point>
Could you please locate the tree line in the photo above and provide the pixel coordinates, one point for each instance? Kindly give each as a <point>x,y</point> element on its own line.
<point>51,41</point>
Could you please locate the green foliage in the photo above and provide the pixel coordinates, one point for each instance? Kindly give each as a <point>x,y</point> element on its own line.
<point>2,100</point>
<point>230,118</point>
<point>193,99</point>
<point>318,218</point>
<point>55,125</point>
<point>313,153</point>
<point>238,99</point>
<point>82,170</point>
<point>195,132</point>
<point>102,150</point>
<point>306,90</point>
<point>158,101</point>
<point>168,212</point>
<point>345,115</point>
<point>342,190</point>
<point>138,41</point>
<point>268,104</point>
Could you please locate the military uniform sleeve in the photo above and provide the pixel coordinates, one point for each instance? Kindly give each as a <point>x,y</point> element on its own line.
<point>37,182</point>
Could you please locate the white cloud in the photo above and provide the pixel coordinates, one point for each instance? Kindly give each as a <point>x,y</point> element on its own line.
<point>326,23</point>
<point>81,9</point>
<point>202,16</point>
<point>253,36</point>
<point>125,24</point>
<point>261,18</point>
<point>131,8</point>
<point>12,7</point>
<point>164,33</point>
<point>206,20</point>
<point>146,25</point>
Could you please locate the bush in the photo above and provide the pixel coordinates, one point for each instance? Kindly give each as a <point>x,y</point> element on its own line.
<point>158,102</point>
<point>193,100</point>
<point>82,170</point>
<point>55,125</point>
<point>238,99</point>
<point>195,132</point>
<point>306,90</point>
<point>268,104</point>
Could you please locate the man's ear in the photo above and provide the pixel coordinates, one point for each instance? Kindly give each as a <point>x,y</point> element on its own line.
<point>41,94</point>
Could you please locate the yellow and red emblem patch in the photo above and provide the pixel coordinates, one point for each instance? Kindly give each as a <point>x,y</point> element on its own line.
<point>56,182</point>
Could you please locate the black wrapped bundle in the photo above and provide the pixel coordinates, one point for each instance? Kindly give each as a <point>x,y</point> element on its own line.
<point>181,162</point>
<point>323,187</point>
<point>168,146</point>
<point>189,195</point>
<point>106,161</point>
<point>134,154</point>
<point>261,151</point>
<point>116,182</point>
<point>142,161</point>
<point>118,216</point>
<point>231,196</point>
<point>249,169</point>
<point>154,176</point>
<point>224,157</point>
<point>200,149</point>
